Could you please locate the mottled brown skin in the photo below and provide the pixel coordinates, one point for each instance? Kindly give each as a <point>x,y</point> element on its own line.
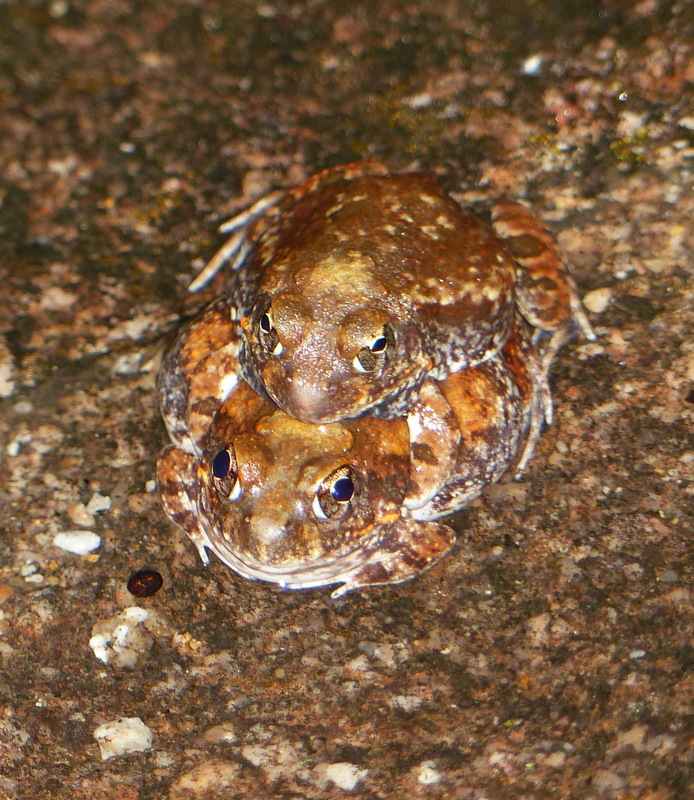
<point>327,265</point>
<point>262,520</point>
<point>545,291</point>
<point>496,406</point>
<point>198,372</point>
<point>348,253</point>
<point>269,529</point>
<point>333,266</point>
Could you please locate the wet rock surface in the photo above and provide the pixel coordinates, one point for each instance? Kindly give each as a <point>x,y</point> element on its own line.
<point>550,654</point>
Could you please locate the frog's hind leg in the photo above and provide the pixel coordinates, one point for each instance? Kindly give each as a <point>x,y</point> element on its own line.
<point>540,411</point>
<point>530,377</point>
<point>545,292</point>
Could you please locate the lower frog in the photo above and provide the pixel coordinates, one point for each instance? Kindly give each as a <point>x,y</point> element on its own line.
<point>355,502</point>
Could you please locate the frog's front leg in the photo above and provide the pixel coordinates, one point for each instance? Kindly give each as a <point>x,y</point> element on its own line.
<point>545,292</point>
<point>198,372</point>
<point>434,440</point>
<point>408,548</point>
<point>179,487</point>
<point>254,221</point>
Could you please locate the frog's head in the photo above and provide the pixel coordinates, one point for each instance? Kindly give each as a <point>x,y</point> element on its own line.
<point>323,361</point>
<point>294,503</point>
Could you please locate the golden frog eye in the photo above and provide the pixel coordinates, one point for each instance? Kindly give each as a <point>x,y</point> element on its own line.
<point>334,496</point>
<point>225,473</point>
<point>267,334</point>
<point>374,354</point>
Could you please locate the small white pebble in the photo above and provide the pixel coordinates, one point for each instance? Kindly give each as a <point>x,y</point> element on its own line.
<point>37,577</point>
<point>128,364</point>
<point>98,502</point>
<point>13,448</point>
<point>122,641</point>
<point>151,486</point>
<point>7,382</point>
<point>80,516</point>
<point>598,300</point>
<point>343,774</point>
<point>635,654</point>
<point>556,759</point>
<point>428,774</point>
<point>421,100</point>
<point>532,65</point>
<point>78,542</point>
<point>124,735</point>
<point>403,702</point>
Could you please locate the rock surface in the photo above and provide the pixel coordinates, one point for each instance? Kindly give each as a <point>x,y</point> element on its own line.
<point>550,654</point>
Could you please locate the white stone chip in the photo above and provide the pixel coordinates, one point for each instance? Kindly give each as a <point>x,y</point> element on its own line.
<point>122,641</point>
<point>124,735</point>
<point>598,300</point>
<point>80,516</point>
<point>532,65</point>
<point>403,702</point>
<point>428,774</point>
<point>7,378</point>
<point>128,364</point>
<point>78,542</point>
<point>98,502</point>
<point>343,774</point>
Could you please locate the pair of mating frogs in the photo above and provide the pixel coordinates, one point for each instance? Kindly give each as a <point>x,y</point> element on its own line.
<point>369,370</point>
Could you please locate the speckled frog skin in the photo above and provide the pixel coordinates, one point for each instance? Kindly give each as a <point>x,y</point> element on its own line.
<point>353,502</point>
<point>357,285</point>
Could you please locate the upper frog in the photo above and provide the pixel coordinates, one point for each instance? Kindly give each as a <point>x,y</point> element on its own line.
<point>358,284</point>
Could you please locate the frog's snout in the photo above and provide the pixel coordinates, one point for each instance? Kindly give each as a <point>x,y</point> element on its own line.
<point>267,527</point>
<point>309,395</point>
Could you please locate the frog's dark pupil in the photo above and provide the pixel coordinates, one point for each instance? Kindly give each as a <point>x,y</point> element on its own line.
<point>221,464</point>
<point>379,344</point>
<point>342,490</point>
<point>265,324</point>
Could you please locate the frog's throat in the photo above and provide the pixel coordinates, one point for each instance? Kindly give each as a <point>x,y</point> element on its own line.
<point>308,577</point>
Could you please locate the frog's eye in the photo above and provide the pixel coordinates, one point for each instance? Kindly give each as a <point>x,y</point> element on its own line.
<point>225,473</point>
<point>374,354</point>
<point>267,334</point>
<point>334,496</point>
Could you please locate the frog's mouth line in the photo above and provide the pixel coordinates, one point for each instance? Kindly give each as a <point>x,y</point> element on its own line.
<point>309,577</point>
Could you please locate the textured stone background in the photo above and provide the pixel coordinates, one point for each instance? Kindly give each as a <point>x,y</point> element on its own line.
<point>550,655</point>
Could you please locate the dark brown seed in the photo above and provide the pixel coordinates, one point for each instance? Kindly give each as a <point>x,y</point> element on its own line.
<point>145,583</point>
